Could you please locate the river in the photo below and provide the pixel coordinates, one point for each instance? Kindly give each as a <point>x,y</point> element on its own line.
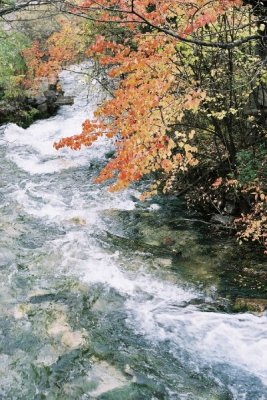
<point>105,297</point>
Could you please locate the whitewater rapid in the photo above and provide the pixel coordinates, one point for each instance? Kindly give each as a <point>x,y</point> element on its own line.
<point>229,349</point>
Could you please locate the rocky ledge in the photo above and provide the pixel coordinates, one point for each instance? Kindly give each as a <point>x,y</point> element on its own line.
<point>25,110</point>
<point>50,100</point>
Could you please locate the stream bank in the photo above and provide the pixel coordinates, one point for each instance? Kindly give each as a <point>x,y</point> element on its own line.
<point>24,110</point>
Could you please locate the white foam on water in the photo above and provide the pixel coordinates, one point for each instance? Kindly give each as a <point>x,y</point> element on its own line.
<point>237,339</point>
<point>32,149</point>
<point>99,266</point>
<point>40,202</point>
<point>155,308</point>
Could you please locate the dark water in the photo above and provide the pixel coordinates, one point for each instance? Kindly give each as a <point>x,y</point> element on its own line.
<point>103,297</point>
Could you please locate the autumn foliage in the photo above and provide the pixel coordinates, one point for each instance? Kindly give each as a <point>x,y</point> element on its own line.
<point>153,95</point>
<point>45,60</point>
<point>185,74</point>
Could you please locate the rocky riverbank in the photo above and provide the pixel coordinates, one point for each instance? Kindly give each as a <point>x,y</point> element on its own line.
<point>25,110</point>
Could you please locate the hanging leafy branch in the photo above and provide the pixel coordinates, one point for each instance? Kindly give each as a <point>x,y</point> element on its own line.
<point>186,76</point>
<point>177,19</point>
<point>180,109</point>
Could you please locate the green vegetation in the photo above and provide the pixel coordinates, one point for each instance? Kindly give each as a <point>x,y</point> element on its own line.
<point>251,165</point>
<point>12,63</point>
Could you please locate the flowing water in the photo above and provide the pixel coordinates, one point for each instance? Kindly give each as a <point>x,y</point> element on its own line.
<point>104,297</point>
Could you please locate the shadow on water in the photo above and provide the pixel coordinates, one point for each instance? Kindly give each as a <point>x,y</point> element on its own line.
<point>190,249</point>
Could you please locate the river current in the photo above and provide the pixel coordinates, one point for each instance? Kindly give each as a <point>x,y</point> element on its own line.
<point>102,296</point>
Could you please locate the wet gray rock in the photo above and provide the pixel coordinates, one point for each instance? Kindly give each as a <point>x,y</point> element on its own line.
<point>51,95</point>
<point>49,101</point>
<point>38,100</point>
<point>42,108</point>
<point>222,219</point>
<point>64,101</point>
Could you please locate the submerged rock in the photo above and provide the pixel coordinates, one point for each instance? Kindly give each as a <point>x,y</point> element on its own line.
<point>69,338</point>
<point>164,262</point>
<point>41,298</point>
<point>20,311</point>
<point>73,340</point>
<point>78,221</point>
<point>154,246</point>
<point>48,355</point>
<point>106,377</point>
